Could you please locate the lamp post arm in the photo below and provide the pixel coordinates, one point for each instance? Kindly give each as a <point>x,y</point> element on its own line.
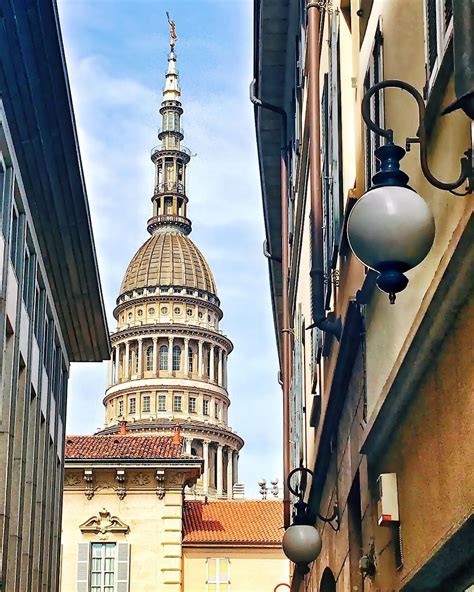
<point>466,173</point>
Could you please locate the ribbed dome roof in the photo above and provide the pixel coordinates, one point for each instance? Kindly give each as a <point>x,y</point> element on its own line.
<point>168,258</point>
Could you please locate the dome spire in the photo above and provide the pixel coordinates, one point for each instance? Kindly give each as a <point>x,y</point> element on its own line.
<point>170,157</point>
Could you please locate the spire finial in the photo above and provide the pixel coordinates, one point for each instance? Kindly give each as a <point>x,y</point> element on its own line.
<point>173,35</point>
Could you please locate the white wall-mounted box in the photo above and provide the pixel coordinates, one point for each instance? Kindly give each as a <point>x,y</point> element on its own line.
<point>387,504</point>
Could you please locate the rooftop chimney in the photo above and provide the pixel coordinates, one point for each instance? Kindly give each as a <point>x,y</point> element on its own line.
<point>123,427</point>
<point>177,436</point>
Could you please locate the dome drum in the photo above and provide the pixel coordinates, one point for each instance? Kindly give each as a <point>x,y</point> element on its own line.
<point>184,224</point>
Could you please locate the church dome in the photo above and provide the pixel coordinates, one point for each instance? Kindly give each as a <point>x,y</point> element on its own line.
<point>168,258</point>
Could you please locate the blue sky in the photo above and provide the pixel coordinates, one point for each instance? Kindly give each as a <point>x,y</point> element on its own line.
<point>116,54</point>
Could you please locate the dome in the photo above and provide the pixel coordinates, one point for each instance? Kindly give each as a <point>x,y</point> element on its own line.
<point>168,259</point>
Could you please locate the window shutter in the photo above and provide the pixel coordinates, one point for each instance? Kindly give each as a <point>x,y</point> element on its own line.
<point>82,567</point>
<point>448,13</point>
<point>326,187</point>
<point>335,135</point>
<point>431,35</point>
<point>123,567</point>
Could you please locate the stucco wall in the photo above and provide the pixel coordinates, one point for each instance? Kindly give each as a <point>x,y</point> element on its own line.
<point>251,570</point>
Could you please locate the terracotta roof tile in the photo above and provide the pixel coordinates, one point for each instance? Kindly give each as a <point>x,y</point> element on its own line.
<point>121,447</point>
<point>254,522</point>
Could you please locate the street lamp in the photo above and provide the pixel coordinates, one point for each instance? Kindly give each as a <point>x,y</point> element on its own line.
<point>301,541</point>
<point>264,489</point>
<point>390,228</point>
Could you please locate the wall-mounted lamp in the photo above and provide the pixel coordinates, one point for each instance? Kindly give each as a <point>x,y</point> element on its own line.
<point>390,228</point>
<point>301,541</point>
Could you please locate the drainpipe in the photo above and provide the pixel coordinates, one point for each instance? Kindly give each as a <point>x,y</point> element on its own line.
<point>320,320</point>
<point>285,337</point>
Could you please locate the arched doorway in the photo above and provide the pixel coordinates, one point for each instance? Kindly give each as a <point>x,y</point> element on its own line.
<point>328,583</point>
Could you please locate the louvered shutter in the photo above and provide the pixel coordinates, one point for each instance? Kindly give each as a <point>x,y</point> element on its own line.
<point>123,567</point>
<point>431,35</point>
<point>82,567</point>
<point>326,187</point>
<point>335,135</point>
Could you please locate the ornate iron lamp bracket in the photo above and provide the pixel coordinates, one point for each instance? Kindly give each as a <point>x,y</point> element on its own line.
<point>466,174</point>
<point>300,514</point>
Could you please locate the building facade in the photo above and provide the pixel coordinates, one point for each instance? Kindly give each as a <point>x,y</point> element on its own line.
<point>169,363</point>
<point>45,247</point>
<point>377,395</point>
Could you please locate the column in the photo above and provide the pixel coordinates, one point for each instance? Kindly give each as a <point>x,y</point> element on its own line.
<point>111,371</point>
<point>117,363</point>
<point>140,357</point>
<point>170,353</point>
<point>224,371</point>
<point>155,354</point>
<point>236,466</point>
<point>186,356</point>
<point>219,368</point>
<point>188,442</point>
<point>126,362</point>
<point>230,473</point>
<point>211,364</point>
<point>200,359</point>
<point>205,476</point>
<point>220,468</point>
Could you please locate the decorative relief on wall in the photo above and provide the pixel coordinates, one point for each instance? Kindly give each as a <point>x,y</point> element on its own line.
<point>120,489</point>
<point>72,480</point>
<point>104,524</point>
<point>90,487</point>
<point>160,484</point>
<point>141,479</point>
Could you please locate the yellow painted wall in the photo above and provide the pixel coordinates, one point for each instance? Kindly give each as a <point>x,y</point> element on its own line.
<point>251,569</point>
<point>155,534</point>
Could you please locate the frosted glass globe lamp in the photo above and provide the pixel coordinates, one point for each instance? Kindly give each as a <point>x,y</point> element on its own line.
<point>390,228</point>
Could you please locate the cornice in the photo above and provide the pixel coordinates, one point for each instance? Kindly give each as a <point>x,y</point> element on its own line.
<point>181,298</point>
<point>131,387</point>
<point>201,431</point>
<point>168,330</point>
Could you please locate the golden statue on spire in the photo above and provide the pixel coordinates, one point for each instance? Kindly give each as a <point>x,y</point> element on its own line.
<point>173,35</point>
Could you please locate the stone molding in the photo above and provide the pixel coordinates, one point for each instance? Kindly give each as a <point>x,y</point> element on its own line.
<point>104,524</point>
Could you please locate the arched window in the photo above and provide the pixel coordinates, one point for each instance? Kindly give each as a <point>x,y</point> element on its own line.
<point>190,361</point>
<point>176,357</point>
<point>164,357</point>
<point>208,363</point>
<point>149,358</point>
<point>129,361</point>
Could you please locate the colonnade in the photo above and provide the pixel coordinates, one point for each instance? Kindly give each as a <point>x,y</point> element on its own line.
<point>231,466</point>
<point>162,356</point>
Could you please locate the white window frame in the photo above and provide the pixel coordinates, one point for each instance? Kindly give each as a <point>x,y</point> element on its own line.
<point>217,580</point>
<point>132,405</point>
<point>146,404</point>
<point>102,571</point>
<point>442,39</point>
<point>176,408</point>
<point>161,398</point>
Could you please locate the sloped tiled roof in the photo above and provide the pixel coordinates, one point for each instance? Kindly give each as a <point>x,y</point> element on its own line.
<point>121,447</point>
<point>244,522</point>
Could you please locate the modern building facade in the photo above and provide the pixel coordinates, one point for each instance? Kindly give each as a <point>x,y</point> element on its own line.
<point>169,363</point>
<point>377,395</point>
<point>51,309</point>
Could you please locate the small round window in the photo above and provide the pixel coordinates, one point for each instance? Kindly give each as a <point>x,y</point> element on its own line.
<point>189,312</point>
<point>140,312</point>
<point>130,315</point>
<point>164,310</point>
<point>209,318</point>
<point>177,310</point>
<point>151,311</point>
<point>200,315</point>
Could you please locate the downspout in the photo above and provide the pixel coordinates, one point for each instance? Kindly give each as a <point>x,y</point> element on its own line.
<point>285,330</point>
<point>320,320</point>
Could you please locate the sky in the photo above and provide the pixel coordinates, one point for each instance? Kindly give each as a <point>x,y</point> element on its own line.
<point>116,53</point>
